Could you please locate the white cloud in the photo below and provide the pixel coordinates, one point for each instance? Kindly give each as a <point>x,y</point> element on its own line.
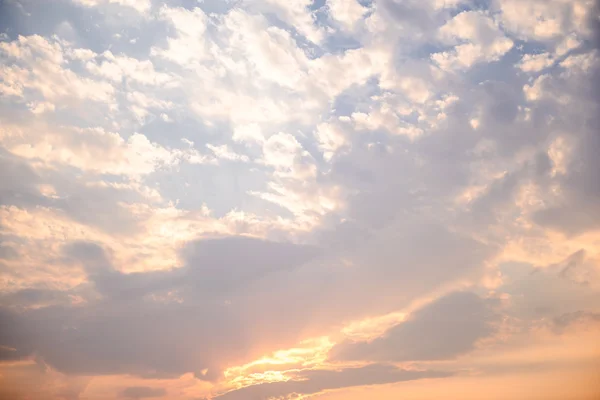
<point>569,43</point>
<point>536,62</point>
<point>284,153</point>
<point>293,184</point>
<point>250,133</point>
<point>12,80</point>
<point>295,13</point>
<point>117,68</point>
<point>141,104</point>
<point>385,116</point>
<point>96,150</point>
<point>223,152</point>
<point>39,108</point>
<point>330,138</point>
<point>476,37</point>
<point>543,19</point>
<point>188,47</point>
<point>40,65</point>
<point>346,12</point>
<point>580,63</point>
<point>269,51</point>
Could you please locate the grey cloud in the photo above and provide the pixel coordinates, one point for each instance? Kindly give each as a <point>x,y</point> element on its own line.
<point>534,291</point>
<point>126,330</point>
<point>86,27</point>
<point>93,205</point>
<point>438,165</point>
<point>214,267</point>
<point>18,182</point>
<point>223,264</point>
<point>594,22</point>
<point>448,327</point>
<point>7,252</point>
<point>33,297</point>
<point>580,210</point>
<point>496,204</point>
<point>402,261</point>
<point>500,195</point>
<point>143,392</point>
<point>15,336</point>
<point>241,297</point>
<point>113,284</point>
<point>314,381</point>
<point>574,268</point>
<point>415,14</point>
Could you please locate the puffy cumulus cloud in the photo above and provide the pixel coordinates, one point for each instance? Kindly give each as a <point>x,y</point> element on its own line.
<point>285,154</point>
<point>476,38</point>
<point>293,185</point>
<point>347,13</point>
<point>297,14</point>
<point>536,62</point>
<point>188,45</point>
<point>51,76</point>
<point>117,68</point>
<point>38,64</point>
<point>331,138</point>
<point>275,199</point>
<point>543,20</point>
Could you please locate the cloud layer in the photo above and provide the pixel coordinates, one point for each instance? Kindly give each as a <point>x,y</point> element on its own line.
<point>276,199</point>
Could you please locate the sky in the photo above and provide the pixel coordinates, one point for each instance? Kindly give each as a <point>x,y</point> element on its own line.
<point>299,199</point>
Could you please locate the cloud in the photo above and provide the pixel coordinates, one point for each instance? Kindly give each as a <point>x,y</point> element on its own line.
<point>482,41</point>
<point>141,6</point>
<point>39,64</point>
<point>18,180</point>
<point>109,152</point>
<point>446,328</point>
<point>297,14</point>
<point>82,200</point>
<point>576,213</point>
<point>565,320</point>
<point>8,253</point>
<point>533,291</point>
<point>223,282</point>
<point>143,392</point>
<point>205,197</point>
<point>119,67</point>
<point>34,297</point>
<point>542,20</point>
<point>314,381</point>
<point>128,304</point>
<point>347,13</point>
